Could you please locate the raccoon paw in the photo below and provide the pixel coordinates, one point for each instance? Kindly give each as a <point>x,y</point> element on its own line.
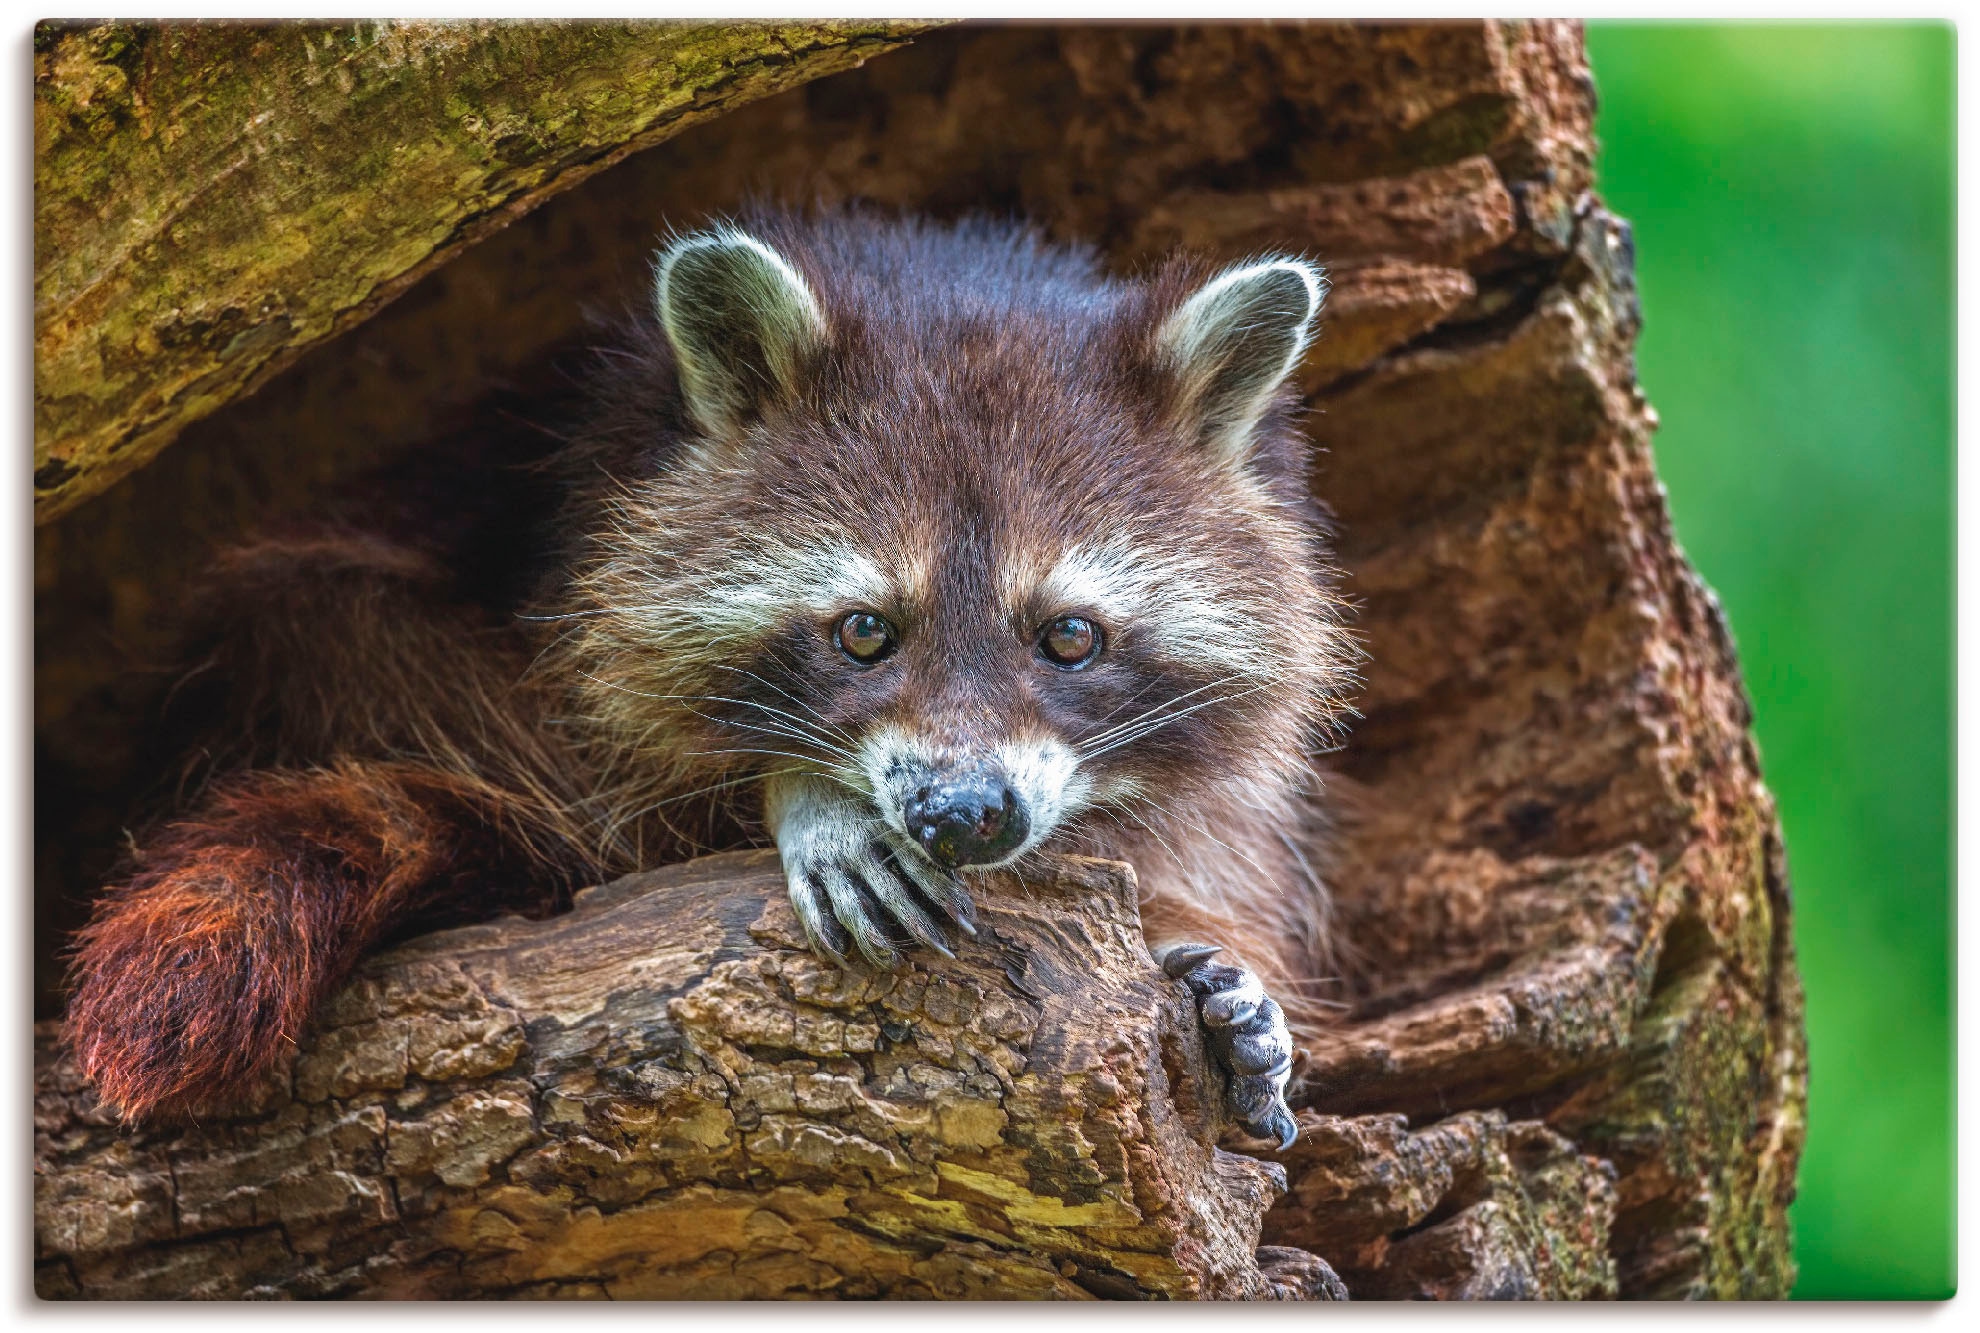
<point>857,886</point>
<point>1247,1034</point>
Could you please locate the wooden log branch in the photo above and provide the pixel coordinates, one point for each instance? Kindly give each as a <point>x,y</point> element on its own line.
<point>1470,1207</point>
<point>210,199</point>
<point>1571,1060</point>
<point>662,1094</point>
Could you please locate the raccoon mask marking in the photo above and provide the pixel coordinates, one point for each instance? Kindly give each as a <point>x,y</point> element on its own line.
<point>949,545</point>
<point>990,565</point>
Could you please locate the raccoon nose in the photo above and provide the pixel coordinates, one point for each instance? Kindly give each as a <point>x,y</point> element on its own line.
<point>970,821</point>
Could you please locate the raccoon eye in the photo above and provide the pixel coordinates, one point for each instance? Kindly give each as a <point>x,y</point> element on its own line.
<point>1069,642</point>
<point>866,638</point>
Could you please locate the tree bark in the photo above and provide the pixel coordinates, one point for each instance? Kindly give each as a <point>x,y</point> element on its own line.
<point>1570,1060</point>
<point>663,1094</point>
<point>210,199</point>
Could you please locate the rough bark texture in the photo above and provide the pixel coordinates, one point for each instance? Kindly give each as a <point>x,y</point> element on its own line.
<point>210,199</point>
<point>1571,1060</point>
<point>663,1094</point>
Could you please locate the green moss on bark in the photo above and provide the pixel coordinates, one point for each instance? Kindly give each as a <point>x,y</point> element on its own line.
<point>212,198</point>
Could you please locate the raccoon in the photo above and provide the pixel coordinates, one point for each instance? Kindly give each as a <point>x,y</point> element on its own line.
<point>915,549</point>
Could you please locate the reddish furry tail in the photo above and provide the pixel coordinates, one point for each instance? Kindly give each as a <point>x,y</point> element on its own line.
<point>193,975</point>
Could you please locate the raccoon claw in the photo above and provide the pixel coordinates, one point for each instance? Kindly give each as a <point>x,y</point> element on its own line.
<point>1178,959</point>
<point>943,888</point>
<point>1281,1126</point>
<point>821,929</point>
<point>853,892</point>
<point>1247,1035</point>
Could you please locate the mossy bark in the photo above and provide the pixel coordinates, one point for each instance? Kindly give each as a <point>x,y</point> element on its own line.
<point>1570,1060</point>
<point>213,198</point>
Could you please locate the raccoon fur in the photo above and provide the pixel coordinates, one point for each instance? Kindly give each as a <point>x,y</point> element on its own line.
<point>916,549</point>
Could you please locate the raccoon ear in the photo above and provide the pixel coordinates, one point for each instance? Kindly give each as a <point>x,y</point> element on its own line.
<point>1233,343</point>
<point>740,320</point>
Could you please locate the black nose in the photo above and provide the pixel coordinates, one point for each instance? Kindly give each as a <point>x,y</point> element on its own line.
<point>969,821</point>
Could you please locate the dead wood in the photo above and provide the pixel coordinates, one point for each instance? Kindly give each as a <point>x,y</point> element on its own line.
<point>663,1094</point>
<point>1571,1060</point>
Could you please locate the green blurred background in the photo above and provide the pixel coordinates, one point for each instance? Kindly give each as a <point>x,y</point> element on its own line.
<point>1791,190</point>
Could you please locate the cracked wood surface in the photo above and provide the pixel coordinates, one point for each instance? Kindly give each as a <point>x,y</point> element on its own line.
<point>663,1094</point>
<point>210,199</point>
<point>1571,1060</point>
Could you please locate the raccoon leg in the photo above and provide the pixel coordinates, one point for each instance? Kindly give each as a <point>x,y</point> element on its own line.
<point>193,975</point>
<point>1247,1033</point>
<point>853,879</point>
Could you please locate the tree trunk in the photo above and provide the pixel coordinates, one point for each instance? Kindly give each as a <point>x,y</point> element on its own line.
<point>210,199</point>
<point>664,1094</point>
<point>1570,1060</point>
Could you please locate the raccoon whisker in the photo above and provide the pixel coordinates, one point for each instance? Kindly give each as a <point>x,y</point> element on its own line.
<point>614,685</point>
<point>817,768</point>
<point>1144,827</point>
<point>560,644</point>
<point>802,735</point>
<point>828,723</point>
<point>1158,723</point>
<point>590,612</point>
<point>805,758</point>
<point>815,729</point>
<point>1139,694</point>
<point>1146,686</point>
<point>1208,685</point>
<point>1322,901</point>
<point>1155,716</point>
<point>1191,823</point>
<point>1166,846</point>
<point>1167,703</point>
<point>827,754</point>
<point>797,732</point>
<point>614,822</point>
<point>786,733</point>
<point>739,781</point>
<point>1078,824</point>
<point>823,744</point>
<point>801,730</point>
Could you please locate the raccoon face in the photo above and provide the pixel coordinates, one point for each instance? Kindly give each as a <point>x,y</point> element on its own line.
<point>999,552</point>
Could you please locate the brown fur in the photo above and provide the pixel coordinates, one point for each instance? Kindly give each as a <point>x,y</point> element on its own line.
<point>207,961</point>
<point>392,749</point>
